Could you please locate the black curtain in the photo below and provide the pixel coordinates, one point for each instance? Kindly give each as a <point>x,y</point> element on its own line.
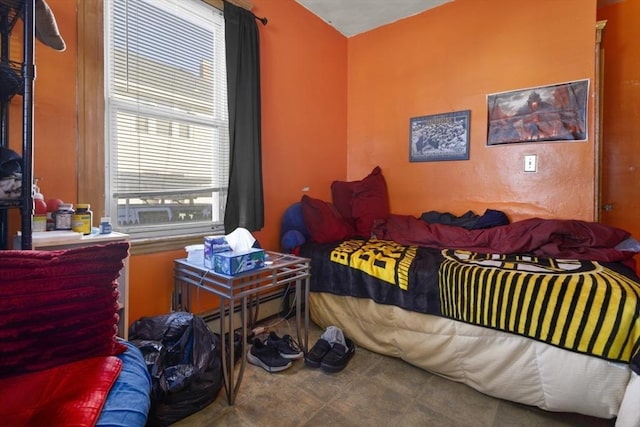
<point>245,201</point>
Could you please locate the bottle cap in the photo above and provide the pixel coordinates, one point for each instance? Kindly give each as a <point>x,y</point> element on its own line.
<point>83,205</point>
<point>105,219</point>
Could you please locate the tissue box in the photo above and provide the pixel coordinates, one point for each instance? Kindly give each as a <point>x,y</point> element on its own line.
<point>212,245</point>
<point>232,263</point>
<point>195,254</point>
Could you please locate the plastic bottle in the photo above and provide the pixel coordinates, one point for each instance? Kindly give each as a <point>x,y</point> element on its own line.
<point>83,219</point>
<point>39,218</point>
<point>105,225</point>
<point>64,216</point>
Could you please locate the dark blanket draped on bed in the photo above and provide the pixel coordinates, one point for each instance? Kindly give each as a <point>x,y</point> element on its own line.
<point>579,305</point>
<point>552,238</point>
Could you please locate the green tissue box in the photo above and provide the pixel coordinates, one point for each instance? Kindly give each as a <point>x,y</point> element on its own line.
<point>231,263</point>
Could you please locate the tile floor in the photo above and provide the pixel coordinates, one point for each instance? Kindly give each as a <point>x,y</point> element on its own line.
<point>373,390</point>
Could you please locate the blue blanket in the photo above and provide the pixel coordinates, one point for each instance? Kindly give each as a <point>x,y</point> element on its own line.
<point>128,402</point>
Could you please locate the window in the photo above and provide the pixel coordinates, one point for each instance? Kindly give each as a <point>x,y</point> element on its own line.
<point>166,118</point>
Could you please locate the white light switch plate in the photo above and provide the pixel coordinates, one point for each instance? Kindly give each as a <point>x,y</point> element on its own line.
<point>530,163</point>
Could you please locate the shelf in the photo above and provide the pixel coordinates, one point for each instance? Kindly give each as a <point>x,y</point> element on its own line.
<point>17,78</point>
<point>59,238</point>
<point>12,15</point>
<point>10,203</point>
<point>10,80</point>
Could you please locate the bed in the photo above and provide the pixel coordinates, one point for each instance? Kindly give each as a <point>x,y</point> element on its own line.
<point>541,312</point>
<point>61,362</point>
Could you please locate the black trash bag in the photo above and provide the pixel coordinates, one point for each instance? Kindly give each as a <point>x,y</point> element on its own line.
<point>184,359</point>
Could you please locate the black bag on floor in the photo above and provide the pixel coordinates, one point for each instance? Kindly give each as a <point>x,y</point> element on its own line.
<point>184,359</point>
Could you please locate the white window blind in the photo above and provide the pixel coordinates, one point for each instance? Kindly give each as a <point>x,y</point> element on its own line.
<point>166,116</point>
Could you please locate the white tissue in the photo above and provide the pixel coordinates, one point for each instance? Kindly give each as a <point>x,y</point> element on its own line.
<point>240,240</point>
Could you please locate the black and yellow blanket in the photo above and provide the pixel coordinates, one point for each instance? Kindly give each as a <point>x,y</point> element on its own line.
<point>583,306</point>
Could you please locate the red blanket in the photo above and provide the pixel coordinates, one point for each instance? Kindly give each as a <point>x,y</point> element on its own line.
<point>568,239</point>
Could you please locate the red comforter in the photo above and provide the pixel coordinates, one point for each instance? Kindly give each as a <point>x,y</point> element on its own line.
<point>569,239</point>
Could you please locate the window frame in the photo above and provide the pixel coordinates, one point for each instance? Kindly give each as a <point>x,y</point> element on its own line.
<point>91,126</point>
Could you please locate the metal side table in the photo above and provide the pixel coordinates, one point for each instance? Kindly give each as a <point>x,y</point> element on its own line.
<point>280,270</point>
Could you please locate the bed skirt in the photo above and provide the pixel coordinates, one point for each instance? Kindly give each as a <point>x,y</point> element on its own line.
<point>496,363</point>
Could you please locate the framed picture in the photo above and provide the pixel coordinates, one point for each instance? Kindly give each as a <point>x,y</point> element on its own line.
<point>439,137</point>
<point>547,113</point>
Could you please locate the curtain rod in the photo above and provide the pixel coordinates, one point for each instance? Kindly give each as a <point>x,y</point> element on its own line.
<point>245,4</point>
<point>264,19</point>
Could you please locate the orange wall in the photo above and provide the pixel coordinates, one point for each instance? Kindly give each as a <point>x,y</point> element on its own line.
<point>151,286</point>
<point>449,59</point>
<point>335,107</point>
<point>304,108</point>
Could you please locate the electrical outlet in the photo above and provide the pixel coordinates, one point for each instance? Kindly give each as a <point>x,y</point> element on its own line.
<point>530,163</point>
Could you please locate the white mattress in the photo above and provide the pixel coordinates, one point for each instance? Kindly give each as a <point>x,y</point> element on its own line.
<point>496,363</point>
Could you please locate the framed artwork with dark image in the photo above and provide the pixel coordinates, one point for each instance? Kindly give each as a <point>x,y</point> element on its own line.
<point>439,137</point>
<point>545,113</point>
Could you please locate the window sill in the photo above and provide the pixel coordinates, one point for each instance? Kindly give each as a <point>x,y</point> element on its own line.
<point>141,246</point>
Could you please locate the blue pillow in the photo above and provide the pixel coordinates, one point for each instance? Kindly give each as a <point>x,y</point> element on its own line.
<point>292,239</point>
<point>293,220</point>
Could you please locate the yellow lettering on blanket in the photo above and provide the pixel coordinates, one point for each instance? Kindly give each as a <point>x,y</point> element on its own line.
<point>383,259</point>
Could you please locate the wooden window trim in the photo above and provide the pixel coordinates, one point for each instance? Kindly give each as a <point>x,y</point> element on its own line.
<point>90,119</point>
<point>90,101</point>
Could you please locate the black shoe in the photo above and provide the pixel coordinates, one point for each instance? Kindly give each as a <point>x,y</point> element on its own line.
<point>313,359</point>
<point>338,357</point>
<point>267,357</point>
<point>286,346</point>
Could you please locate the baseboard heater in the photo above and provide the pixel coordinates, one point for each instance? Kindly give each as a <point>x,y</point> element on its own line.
<point>278,303</point>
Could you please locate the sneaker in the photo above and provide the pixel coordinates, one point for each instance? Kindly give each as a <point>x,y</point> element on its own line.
<point>286,345</point>
<point>267,357</point>
<point>338,357</point>
<point>314,357</point>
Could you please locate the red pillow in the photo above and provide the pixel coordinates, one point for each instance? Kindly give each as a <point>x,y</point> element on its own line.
<point>324,222</point>
<point>370,202</point>
<point>342,197</point>
<point>362,202</point>
<point>58,306</point>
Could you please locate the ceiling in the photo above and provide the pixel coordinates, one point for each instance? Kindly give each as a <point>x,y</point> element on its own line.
<point>351,17</point>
